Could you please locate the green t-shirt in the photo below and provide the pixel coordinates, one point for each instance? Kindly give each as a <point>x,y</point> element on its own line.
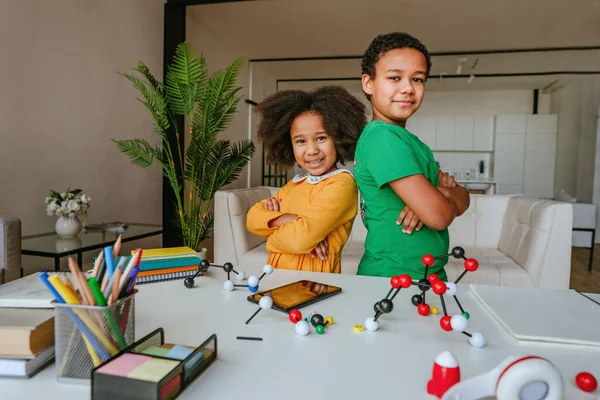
<point>384,153</point>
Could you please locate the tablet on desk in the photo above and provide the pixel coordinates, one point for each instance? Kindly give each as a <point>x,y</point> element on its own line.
<point>297,295</point>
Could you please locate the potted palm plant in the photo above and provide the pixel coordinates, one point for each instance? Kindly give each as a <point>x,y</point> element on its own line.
<point>208,163</point>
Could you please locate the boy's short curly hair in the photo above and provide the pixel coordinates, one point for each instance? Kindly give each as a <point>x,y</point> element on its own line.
<point>343,116</point>
<point>391,41</point>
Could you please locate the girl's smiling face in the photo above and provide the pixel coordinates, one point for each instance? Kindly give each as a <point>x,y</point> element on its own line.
<point>314,149</point>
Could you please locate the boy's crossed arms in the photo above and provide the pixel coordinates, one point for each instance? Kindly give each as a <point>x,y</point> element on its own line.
<point>434,212</point>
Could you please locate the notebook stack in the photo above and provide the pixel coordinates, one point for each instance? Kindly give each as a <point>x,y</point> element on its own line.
<point>158,265</point>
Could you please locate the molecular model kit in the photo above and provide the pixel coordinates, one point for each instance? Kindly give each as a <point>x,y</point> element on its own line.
<point>253,280</point>
<point>457,322</point>
<point>301,326</point>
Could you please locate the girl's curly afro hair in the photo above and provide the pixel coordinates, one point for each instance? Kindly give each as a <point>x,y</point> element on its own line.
<point>343,116</point>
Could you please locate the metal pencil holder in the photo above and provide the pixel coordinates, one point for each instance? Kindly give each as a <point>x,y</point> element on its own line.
<point>87,336</point>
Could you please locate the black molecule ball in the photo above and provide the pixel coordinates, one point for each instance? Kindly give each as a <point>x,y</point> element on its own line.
<point>228,267</point>
<point>416,299</point>
<point>189,283</point>
<point>317,319</point>
<point>424,285</point>
<point>458,252</point>
<point>386,306</point>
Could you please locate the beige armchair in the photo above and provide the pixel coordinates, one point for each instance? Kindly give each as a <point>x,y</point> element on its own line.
<point>10,249</point>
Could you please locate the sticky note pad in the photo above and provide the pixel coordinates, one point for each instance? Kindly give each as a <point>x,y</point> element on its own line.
<point>156,351</point>
<point>191,365</point>
<point>171,389</point>
<point>124,364</point>
<point>153,370</point>
<point>179,352</point>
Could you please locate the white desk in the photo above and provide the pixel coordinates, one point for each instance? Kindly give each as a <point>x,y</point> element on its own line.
<point>394,362</point>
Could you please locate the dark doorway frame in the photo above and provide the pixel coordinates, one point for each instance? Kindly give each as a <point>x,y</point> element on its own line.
<point>174,34</point>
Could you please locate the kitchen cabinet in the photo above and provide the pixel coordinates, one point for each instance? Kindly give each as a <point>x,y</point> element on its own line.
<point>525,154</point>
<point>509,162</point>
<point>454,133</point>
<point>464,132</point>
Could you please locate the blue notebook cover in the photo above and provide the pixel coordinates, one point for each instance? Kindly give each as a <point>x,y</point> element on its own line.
<point>149,265</point>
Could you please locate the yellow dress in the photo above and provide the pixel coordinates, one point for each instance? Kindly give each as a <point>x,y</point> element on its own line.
<point>325,205</point>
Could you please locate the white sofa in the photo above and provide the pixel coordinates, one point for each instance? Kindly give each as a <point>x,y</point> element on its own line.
<point>518,241</point>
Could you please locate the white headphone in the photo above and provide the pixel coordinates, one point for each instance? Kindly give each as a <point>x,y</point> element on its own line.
<point>524,378</point>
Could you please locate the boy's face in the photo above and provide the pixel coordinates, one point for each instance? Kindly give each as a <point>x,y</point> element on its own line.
<point>314,149</point>
<point>398,87</point>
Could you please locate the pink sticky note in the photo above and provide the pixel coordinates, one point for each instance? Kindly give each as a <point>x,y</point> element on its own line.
<point>124,364</point>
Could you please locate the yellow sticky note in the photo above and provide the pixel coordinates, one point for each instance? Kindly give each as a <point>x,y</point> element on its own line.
<point>153,370</point>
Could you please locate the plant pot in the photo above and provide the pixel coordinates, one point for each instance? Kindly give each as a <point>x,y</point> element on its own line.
<point>202,253</point>
<point>67,226</point>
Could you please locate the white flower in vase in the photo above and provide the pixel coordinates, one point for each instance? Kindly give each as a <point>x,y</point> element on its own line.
<point>70,205</point>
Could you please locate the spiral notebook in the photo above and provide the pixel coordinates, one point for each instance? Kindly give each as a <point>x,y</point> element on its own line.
<point>140,280</point>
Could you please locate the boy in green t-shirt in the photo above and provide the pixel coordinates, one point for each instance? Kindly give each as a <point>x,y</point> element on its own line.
<point>407,202</point>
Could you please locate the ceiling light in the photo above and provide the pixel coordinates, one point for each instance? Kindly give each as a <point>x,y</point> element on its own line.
<point>460,64</point>
<point>472,77</point>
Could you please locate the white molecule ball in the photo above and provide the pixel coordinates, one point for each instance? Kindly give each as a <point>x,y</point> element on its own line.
<point>477,340</point>
<point>265,302</point>
<point>302,328</point>
<point>371,324</point>
<point>458,323</point>
<point>253,280</point>
<point>241,276</point>
<point>268,269</point>
<point>451,288</point>
<point>228,285</point>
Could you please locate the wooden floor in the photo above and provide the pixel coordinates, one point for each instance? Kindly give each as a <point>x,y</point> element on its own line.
<point>581,279</point>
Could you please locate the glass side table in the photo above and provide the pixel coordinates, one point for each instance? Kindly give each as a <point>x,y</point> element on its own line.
<point>53,246</point>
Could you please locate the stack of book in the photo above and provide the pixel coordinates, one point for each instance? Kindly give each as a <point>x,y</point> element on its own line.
<point>26,341</point>
<point>167,264</point>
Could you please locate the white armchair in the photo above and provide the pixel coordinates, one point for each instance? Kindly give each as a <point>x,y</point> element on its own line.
<point>518,241</point>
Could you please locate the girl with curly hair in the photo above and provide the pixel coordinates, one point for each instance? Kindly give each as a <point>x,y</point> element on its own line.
<point>308,221</point>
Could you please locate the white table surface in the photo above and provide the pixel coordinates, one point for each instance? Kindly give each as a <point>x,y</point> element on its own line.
<point>395,362</point>
<point>593,296</point>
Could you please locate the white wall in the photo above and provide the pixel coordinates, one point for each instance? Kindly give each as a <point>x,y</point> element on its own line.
<point>220,55</point>
<point>61,102</point>
<point>453,103</point>
<point>480,103</point>
<point>576,104</point>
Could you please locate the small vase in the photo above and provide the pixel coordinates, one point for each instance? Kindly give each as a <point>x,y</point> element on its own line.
<point>68,226</point>
<point>64,243</point>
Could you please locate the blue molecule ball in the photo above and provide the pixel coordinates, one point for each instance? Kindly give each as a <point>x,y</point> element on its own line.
<point>253,289</point>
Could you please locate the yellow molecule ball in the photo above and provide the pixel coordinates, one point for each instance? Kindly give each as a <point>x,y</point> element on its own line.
<point>434,310</point>
<point>329,320</point>
<point>358,328</point>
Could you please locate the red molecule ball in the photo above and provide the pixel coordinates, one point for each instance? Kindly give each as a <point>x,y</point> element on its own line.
<point>471,264</point>
<point>586,381</point>
<point>405,281</point>
<point>427,260</point>
<point>395,282</point>
<point>433,278</point>
<point>423,309</point>
<point>438,287</point>
<point>295,316</point>
<point>445,323</point>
